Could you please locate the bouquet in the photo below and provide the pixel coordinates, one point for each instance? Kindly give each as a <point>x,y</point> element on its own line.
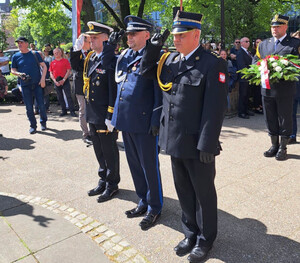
<point>271,69</point>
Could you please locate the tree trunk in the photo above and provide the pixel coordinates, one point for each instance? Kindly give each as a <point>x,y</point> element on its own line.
<point>87,13</point>
<point>141,8</point>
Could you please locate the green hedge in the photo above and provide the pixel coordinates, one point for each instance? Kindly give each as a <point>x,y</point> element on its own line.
<point>12,81</point>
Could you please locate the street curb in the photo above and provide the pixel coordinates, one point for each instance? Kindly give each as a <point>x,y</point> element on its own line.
<point>116,248</point>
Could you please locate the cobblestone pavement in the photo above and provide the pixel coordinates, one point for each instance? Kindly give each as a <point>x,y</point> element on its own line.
<point>258,198</point>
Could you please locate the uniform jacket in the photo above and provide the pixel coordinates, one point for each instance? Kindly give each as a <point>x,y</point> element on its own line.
<point>139,100</point>
<point>77,60</point>
<point>288,45</point>
<point>102,92</point>
<point>193,110</point>
<point>243,60</point>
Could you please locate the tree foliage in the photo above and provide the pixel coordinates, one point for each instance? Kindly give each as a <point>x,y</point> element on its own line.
<point>249,18</point>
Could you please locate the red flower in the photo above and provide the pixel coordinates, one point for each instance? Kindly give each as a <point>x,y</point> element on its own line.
<point>276,57</point>
<point>267,57</point>
<point>258,63</point>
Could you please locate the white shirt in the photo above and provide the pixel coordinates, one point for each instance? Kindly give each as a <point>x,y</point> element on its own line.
<point>5,68</point>
<point>189,54</point>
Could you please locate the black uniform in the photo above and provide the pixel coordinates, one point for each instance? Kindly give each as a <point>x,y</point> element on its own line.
<point>99,99</point>
<point>191,121</point>
<point>243,60</point>
<point>278,101</point>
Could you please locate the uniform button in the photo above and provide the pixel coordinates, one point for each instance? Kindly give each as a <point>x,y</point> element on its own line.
<point>123,89</point>
<point>129,71</point>
<point>98,78</point>
<point>93,91</point>
<point>171,118</point>
<point>121,98</point>
<point>93,84</point>
<point>126,80</point>
<point>172,105</point>
<point>173,92</point>
<point>92,99</point>
<point>144,113</point>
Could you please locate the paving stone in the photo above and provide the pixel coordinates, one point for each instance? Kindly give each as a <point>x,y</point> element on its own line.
<point>82,216</point>
<point>86,229</point>
<point>130,252</point>
<point>116,239</point>
<point>63,208</point>
<point>118,248</point>
<point>101,229</point>
<point>75,213</point>
<point>124,243</point>
<point>109,233</point>
<point>101,239</point>
<point>108,244</point>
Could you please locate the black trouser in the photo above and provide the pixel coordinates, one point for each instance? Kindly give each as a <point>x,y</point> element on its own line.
<point>67,89</point>
<point>194,183</point>
<point>243,97</point>
<point>278,115</point>
<point>107,154</point>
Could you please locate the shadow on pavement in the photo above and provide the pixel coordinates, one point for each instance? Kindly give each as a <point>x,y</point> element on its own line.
<point>10,206</point>
<point>247,240</point>
<point>65,135</point>
<point>5,110</point>
<point>8,144</point>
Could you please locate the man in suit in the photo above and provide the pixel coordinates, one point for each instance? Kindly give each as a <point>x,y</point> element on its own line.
<point>83,44</point>
<point>278,100</point>
<point>195,84</point>
<point>100,91</point>
<point>137,111</point>
<point>244,60</point>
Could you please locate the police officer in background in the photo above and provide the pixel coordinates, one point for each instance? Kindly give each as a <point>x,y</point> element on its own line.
<point>137,111</point>
<point>100,91</point>
<point>194,82</point>
<point>278,101</point>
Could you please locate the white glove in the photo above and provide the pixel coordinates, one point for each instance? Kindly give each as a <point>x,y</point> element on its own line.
<point>79,43</point>
<point>110,127</point>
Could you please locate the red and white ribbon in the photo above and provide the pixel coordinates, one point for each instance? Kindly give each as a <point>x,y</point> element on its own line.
<point>264,74</point>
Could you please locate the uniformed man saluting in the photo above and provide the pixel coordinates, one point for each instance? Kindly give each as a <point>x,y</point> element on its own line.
<point>137,111</point>
<point>100,91</point>
<point>194,82</point>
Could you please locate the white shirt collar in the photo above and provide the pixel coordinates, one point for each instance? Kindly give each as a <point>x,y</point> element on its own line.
<point>188,55</point>
<point>280,39</point>
<point>245,49</point>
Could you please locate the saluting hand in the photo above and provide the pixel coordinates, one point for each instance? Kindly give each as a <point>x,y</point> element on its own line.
<point>115,37</point>
<point>159,39</point>
<point>206,157</point>
<point>79,43</point>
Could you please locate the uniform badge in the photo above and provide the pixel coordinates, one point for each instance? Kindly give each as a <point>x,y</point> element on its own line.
<point>133,68</point>
<point>120,72</point>
<point>197,58</point>
<point>97,83</point>
<point>100,71</point>
<point>222,77</point>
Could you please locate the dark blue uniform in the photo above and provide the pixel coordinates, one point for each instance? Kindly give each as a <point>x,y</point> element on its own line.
<point>137,109</point>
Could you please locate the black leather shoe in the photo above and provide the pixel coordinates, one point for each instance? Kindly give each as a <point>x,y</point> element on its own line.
<point>149,221</point>
<point>98,189</point>
<point>292,140</point>
<point>281,155</point>
<point>198,254</point>
<point>63,113</point>
<point>184,246</point>
<point>243,116</point>
<point>107,195</point>
<point>135,212</point>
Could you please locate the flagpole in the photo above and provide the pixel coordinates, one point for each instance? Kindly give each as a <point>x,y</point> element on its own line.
<point>74,21</point>
<point>180,5</point>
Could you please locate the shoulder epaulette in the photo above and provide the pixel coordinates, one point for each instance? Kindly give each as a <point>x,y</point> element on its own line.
<point>215,54</point>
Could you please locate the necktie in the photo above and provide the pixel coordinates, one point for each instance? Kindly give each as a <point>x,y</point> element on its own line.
<point>276,44</point>
<point>249,53</point>
<point>135,54</point>
<point>85,53</point>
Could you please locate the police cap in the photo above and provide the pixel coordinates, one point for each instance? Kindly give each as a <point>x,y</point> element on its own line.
<point>135,24</point>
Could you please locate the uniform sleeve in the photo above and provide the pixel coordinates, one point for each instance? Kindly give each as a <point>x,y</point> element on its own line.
<point>214,107</point>
<point>77,60</point>
<point>157,107</point>
<point>109,58</point>
<point>112,93</point>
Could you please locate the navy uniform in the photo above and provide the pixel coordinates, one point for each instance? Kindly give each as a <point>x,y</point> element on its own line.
<point>194,105</point>
<point>278,101</point>
<point>100,91</point>
<point>136,114</point>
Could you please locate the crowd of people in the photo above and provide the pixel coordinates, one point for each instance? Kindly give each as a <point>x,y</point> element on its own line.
<point>173,102</point>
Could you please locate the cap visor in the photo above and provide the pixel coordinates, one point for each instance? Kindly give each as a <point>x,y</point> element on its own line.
<point>181,30</point>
